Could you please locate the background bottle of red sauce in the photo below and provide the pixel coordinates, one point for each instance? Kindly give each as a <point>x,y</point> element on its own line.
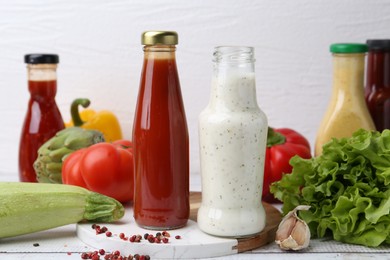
<point>377,90</point>
<point>160,138</point>
<point>43,119</point>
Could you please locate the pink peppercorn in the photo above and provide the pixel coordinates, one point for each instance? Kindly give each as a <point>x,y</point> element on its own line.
<point>138,238</point>
<point>97,230</point>
<point>94,226</point>
<point>132,238</point>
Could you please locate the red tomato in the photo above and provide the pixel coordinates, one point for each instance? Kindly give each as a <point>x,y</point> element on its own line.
<point>282,145</point>
<point>106,168</point>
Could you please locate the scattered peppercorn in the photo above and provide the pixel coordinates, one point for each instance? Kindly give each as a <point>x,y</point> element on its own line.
<point>158,238</point>
<point>166,234</point>
<point>138,238</point>
<point>132,238</point>
<point>116,255</point>
<point>151,239</point>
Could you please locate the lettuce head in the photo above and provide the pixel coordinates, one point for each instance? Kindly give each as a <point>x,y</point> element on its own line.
<point>347,187</point>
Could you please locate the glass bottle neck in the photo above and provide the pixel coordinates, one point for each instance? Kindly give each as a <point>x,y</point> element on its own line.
<point>232,58</point>
<point>233,83</point>
<point>348,73</point>
<point>42,81</point>
<point>378,69</point>
<point>159,52</point>
<point>42,72</point>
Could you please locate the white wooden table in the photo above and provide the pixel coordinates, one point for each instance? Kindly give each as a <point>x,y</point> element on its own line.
<point>63,243</point>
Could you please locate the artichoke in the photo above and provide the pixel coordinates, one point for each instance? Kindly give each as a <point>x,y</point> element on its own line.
<point>52,153</point>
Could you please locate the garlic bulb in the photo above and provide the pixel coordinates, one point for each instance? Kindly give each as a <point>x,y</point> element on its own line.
<point>293,233</point>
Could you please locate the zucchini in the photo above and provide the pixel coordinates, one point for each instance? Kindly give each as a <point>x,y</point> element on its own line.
<point>31,207</point>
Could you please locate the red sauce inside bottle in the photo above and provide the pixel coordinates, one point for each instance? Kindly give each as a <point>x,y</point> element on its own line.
<point>161,147</point>
<point>377,91</point>
<point>43,121</point>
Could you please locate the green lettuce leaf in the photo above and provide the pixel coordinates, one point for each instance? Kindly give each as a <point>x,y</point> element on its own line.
<point>347,187</point>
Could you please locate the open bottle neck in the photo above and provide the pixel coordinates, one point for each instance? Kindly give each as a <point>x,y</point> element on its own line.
<point>233,83</point>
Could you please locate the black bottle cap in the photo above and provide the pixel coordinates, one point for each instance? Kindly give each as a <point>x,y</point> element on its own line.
<point>39,58</point>
<point>378,45</point>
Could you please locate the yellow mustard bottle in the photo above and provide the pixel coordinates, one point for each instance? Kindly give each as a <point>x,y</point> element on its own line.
<point>347,110</point>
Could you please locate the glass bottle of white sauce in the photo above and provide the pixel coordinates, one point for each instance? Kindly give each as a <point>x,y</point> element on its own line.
<point>347,111</point>
<point>233,134</point>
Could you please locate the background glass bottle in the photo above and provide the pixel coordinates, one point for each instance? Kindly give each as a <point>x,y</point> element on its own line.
<point>43,119</point>
<point>160,138</point>
<point>232,133</point>
<point>377,91</point>
<point>347,110</point>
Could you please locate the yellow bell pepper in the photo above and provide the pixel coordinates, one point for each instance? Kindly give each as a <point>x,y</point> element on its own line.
<point>103,121</point>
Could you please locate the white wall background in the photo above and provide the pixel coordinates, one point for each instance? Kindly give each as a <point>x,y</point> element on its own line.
<point>101,56</point>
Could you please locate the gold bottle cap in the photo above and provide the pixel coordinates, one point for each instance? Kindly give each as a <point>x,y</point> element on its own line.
<point>159,37</point>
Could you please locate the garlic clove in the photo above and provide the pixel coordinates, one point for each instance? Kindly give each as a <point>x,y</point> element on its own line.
<point>293,233</point>
<point>288,244</point>
<point>285,230</point>
<point>301,228</point>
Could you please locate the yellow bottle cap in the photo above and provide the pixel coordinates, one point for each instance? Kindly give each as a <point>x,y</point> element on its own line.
<point>159,37</point>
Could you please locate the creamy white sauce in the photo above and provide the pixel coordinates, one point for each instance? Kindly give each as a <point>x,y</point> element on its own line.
<point>233,132</point>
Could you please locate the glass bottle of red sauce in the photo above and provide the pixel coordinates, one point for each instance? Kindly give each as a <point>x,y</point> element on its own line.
<point>377,90</point>
<point>160,138</point>
<point>43,119</point>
